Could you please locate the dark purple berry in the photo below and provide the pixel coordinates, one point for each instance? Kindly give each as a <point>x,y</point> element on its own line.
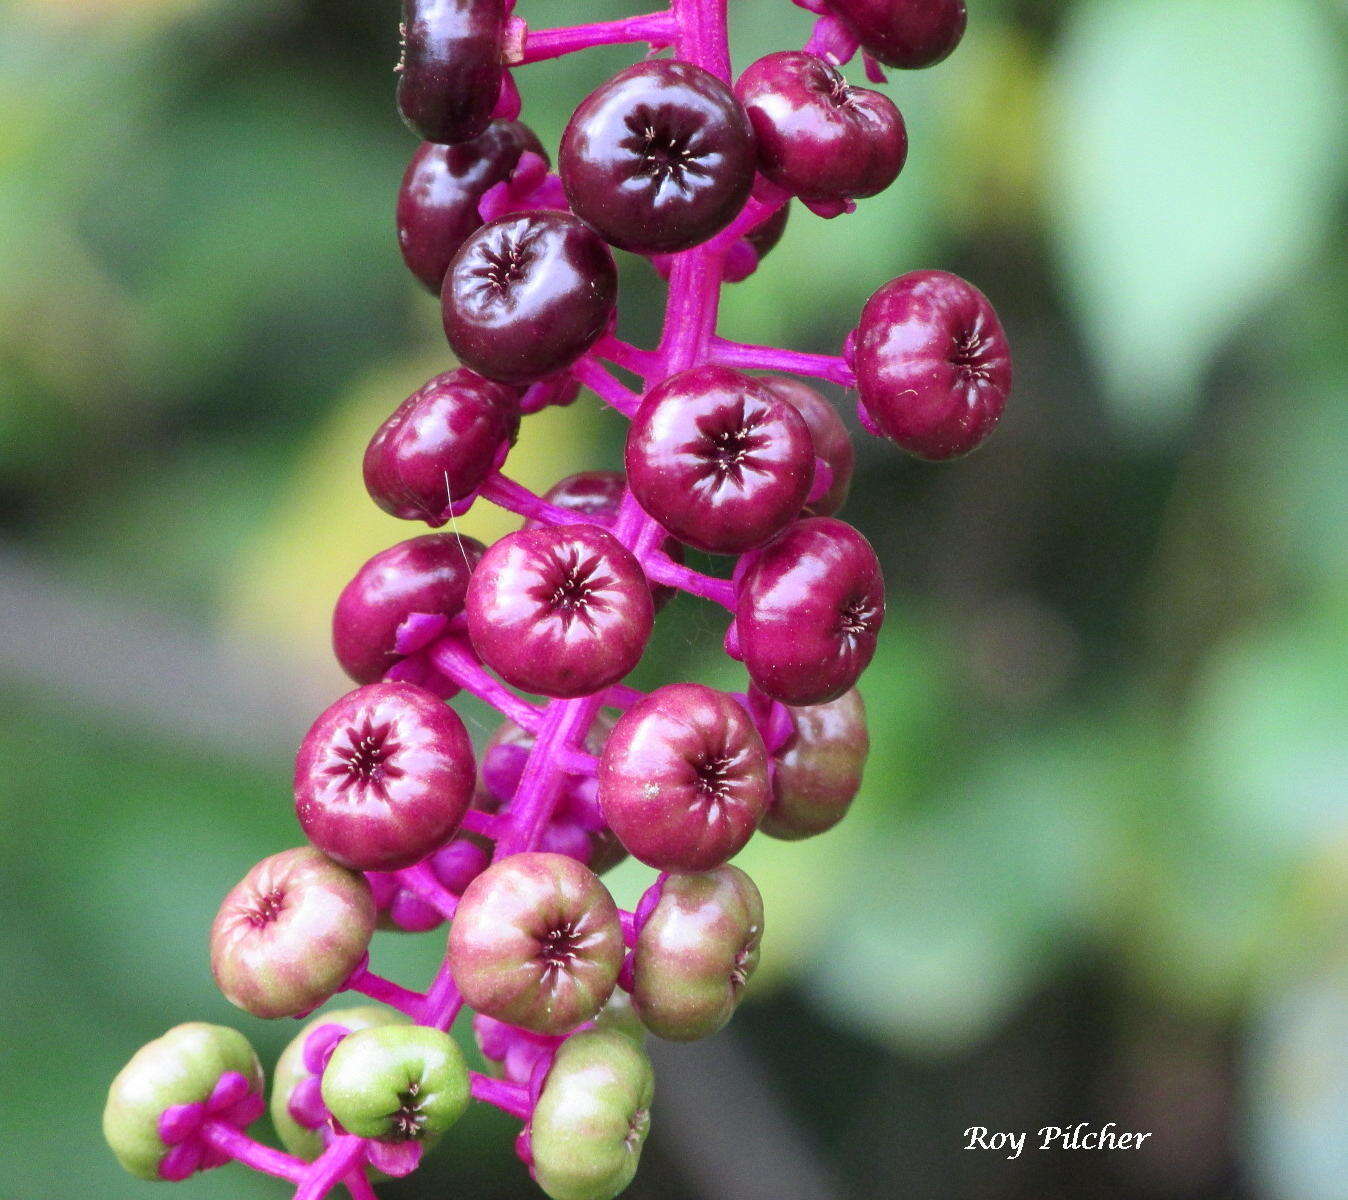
<point>450,73</point>
<point>819,769</point>
<point>818,137</point>
<point>562,611</point>
<point>906,33</point>
<point>427,574</point>
<point>718,459</point>
<point>536,943</point>
<point>764,236</point>
<point>437,204</point>
<point>933,365</point>
<point>384,777</point>
<point>290,933</point>
<point>695,953</point>
<point>440,445</point>
<point>659,158</point>
<point>828,435</point>
<point>810,609</point>
<point>683,780</point>
<point>527,295</point>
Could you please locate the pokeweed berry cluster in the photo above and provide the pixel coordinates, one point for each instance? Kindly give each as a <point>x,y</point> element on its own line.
<point>406,829</point>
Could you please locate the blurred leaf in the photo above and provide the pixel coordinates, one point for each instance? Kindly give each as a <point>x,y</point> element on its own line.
<point>989,151</point>
<point>1269,735</point>
<point>942,928</point>
<point>1195,151</point>
<point>1297,1069</point>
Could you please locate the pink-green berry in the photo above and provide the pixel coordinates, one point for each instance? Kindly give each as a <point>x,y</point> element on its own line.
<point>696,952</point>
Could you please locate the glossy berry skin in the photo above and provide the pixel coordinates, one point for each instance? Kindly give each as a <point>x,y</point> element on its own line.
<point>181,1067</point>
<point>683,780</point>
<point>440,445</point>
<point>396,1083</point>
<point>695,953</point>
<point>437,203</point>
<point>383,777</point>
<point>427,574</point>
<point>527,295</point>
<point>810,609</point>
<point>819,769</point>
<point>659,158</point>
<point>828,435</point>
<point>764,236</point>
<point>720,461</point>
<point>562,611</point>
<point>598,494</point>
<point>450,73</point>
<point>589,493</point>
<point>290,933</point>
<point>933,365</point>
<point>299,1120</point>
<point>906,33</point>
<point>536,943</point>
<point>592,1117</point>
<point>818,137</point>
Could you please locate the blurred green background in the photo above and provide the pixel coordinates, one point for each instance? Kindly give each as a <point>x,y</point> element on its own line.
<point>1099,870</point>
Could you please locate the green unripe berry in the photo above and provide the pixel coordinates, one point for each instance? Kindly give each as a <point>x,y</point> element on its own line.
<point>619,1016</point>
<point>396,1083</point>
<point>182,1067</point>
<point>592,1117</point>
<point>290,1070</point>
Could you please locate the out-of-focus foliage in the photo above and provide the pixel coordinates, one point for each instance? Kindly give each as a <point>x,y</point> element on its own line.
<point>1109,712</point>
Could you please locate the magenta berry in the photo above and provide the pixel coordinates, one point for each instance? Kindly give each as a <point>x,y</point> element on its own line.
<point>658,159</point>
<point>290,932</point>
<point>906,33</point>
<point>450,72</point>
<point>562,611</point>
<point>536,942</point>
<point>729,451</point>
<point>528,294</point>
<point>684,778</point>
<point>818,137</point>
<point>719,460</point>
<point>933,365</point>
<point>437,204</point>
<point>439,446</point>
<point>383,777</point>
<point>828,435</point>
<point>598,494</point>
<point>810,610</point>
<point>427,574</point>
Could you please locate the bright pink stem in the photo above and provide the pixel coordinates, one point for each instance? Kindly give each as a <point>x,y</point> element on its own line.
<point>657,28</point>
